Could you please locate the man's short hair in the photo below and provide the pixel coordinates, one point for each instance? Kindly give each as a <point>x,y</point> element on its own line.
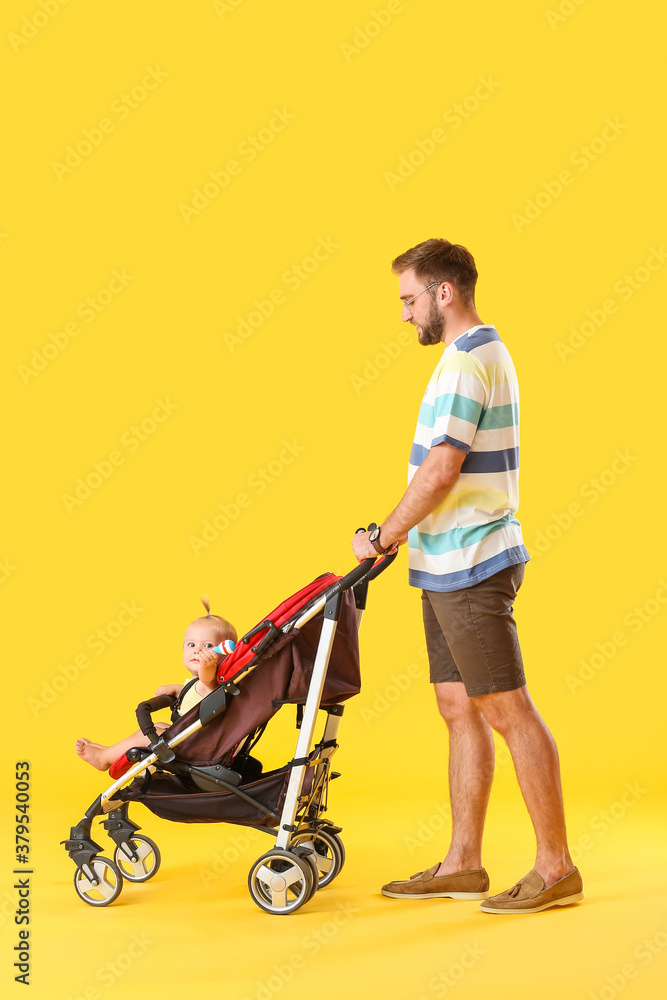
<point>440,260</point>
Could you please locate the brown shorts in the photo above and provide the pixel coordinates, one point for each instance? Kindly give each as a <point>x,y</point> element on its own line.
<point>471,634</point>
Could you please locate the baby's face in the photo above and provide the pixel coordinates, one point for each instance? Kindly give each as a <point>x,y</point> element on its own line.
<point>199,636</point>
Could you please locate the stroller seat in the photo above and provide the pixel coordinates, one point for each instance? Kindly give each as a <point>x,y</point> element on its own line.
<point>199,770</point>
<point>248,649</point>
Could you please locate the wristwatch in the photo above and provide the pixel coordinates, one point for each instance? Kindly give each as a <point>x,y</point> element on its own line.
<point>374,539</point>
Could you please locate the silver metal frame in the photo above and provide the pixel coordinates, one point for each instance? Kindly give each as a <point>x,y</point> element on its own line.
<point>306,733</point>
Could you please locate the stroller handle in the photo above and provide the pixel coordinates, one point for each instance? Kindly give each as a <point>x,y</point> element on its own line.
<point>369,569</point>
<point>354,576</point>
<point>381,565</point>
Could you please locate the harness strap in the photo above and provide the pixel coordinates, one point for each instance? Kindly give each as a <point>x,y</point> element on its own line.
<point>186,687</point>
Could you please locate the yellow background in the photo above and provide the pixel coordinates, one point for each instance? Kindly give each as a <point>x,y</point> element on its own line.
<point>362,95</point>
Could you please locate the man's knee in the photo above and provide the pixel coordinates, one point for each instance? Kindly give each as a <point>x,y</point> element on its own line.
<point>454,704</point>
<point>504,710</point>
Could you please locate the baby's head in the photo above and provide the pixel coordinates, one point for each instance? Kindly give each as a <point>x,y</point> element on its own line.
<point>205,632</point>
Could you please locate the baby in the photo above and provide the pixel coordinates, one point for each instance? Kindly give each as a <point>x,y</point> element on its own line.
<point>201,636</point>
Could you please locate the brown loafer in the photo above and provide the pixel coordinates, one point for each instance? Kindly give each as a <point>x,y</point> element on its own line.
<point>473,883</point>
<point>530,896</point>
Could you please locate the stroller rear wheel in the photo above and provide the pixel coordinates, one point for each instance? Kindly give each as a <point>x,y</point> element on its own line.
<point>109,882</point>
<point>138,858</point>
<point>281,881</point>
<point>310,858</point>
<point>328,852</point>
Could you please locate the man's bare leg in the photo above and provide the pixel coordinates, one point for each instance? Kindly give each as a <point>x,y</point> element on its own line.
<point>471,763</point>
<point>535,757</point>
<point>103,757</point>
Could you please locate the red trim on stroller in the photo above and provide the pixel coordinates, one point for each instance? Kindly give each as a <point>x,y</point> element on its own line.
<point>244,653</point>
<point>120,766</point>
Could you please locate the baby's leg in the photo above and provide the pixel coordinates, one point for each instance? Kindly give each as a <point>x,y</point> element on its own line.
<point>103,757</point>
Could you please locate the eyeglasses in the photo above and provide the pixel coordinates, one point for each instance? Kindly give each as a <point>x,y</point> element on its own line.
<point>408,302</point>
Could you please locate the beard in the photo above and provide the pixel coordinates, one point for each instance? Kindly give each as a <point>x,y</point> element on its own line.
<point>433,327</point>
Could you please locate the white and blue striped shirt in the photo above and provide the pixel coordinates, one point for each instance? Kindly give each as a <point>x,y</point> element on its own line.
<point>471,402</point>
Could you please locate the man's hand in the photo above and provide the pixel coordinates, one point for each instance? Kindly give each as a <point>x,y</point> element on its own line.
<point>363,549</point>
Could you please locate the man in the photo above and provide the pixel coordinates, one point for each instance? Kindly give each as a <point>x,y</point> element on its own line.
<point>466,553</point>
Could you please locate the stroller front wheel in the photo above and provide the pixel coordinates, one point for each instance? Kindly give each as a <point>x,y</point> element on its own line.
<point>109,882</point>
<point>281,881</point>
<point>145,862</point>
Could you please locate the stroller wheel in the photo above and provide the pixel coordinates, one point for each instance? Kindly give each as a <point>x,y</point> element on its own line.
<point>146,859</point>
<point>109,883</point>
<point>281,882</point>
<point>328,852</point>
<point>310,858</point>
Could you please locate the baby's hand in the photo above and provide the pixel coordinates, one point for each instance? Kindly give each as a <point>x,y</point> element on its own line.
<point>172,689</point>
<point>208,668</point>
<point>208,659</point>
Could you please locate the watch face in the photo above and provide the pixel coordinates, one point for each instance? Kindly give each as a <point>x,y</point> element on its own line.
<point>374,535</point>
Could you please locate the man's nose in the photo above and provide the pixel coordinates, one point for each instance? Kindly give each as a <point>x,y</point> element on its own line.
<point>405,313</point>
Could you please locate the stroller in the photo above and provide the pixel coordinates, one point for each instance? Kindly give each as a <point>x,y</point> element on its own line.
<point>201,770</point>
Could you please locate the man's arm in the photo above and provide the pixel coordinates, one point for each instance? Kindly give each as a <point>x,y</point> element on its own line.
<point>429,486</point>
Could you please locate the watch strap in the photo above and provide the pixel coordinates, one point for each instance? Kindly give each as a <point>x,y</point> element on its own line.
<point>375,542</point>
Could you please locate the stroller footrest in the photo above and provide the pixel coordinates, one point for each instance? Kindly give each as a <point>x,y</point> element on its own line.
<point>127,760</point>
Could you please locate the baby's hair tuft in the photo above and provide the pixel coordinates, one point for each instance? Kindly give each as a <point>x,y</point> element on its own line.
<point>226,627</point>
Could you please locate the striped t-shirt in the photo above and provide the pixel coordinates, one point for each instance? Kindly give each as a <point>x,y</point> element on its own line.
<point>472,402</point>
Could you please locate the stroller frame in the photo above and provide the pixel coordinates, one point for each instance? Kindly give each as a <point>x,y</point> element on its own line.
<point>308,851</point>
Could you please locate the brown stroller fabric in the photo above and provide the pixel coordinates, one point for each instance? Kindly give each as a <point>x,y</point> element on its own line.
<point>168,798</point>
<point>283,673</point>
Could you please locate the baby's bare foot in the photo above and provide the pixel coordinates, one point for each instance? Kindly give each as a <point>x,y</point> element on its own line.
<point>84,741</point>
<point>93,753</point>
